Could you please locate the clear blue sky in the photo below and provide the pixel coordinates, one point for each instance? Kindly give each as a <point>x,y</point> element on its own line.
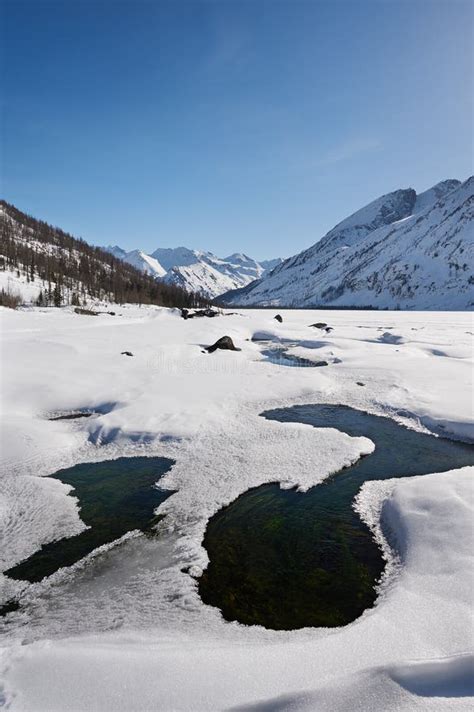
<point>235,125</point>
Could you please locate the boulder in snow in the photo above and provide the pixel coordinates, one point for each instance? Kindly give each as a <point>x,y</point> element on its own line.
<point>225,342</point>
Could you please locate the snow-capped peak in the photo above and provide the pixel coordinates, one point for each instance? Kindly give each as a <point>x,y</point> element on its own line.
<point>145,263</point>
<point>170,257</point>
<point>116,251</point>
<point>400,250</point>
<point>196,270</point>
<point>139,259</point>
<point>429,197</point>
<point>239,258</point>
<point>382,211</point>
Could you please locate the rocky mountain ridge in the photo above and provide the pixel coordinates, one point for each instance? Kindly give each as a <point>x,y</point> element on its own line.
<point>197,270</point>
<point>403,250</point>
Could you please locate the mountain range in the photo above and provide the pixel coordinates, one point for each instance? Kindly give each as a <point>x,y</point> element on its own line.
<point>196,270</point>
<point>404,250</point>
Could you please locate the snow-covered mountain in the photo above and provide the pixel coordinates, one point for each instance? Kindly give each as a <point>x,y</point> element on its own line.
<point>170,257</point>
<point>145,263</point>
<point>197,270</point>
<point>43,264</point>
<point>206,272</point>
<point>268,265</point>
<point>116,251</point>
<point>402,250</point>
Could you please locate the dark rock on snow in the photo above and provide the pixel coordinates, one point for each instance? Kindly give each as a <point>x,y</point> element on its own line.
<point>126,353</point>
<point>225,342</point>
<point>186,314</point>
<point>278,317</point>
<point>319,325</point>
<point>86,312</point>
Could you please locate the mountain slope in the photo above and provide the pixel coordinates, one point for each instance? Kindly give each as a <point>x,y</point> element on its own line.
<point>246,266</point>
<point>206,273</point>
<point>138,259</point>
<point>402,250</point>
<point>268,265</point>
<point>203,278</point>
<point>145,263</point>
<point>51,266</point>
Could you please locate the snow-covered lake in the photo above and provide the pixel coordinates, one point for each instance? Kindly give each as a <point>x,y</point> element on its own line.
<point>127,627</point>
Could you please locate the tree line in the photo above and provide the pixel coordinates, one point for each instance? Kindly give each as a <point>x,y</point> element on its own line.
<point>72,271</point>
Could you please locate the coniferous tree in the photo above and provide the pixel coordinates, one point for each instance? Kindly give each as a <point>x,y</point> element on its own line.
<point>57,297</point>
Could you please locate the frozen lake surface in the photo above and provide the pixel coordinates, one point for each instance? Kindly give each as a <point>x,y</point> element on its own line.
<point>127,627</point>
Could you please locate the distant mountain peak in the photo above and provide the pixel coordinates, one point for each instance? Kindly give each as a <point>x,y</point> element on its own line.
<point>195,270</point>
<point>436,192</point>
<point>239,257</point>
<point>116,251</point>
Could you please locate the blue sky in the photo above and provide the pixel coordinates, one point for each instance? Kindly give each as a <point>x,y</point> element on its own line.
<point>235,125</point>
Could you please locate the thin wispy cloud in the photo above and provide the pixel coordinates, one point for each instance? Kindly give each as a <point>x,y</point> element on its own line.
<point>349,149</point>
<point>230,44</point>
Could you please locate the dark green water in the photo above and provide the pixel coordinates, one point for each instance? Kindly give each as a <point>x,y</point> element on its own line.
<point>280,357</point>
<point>115,497</point>
<point>287,560</point>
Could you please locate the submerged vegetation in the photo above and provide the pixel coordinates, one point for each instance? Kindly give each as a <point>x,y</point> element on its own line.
<point>115,497</point>
<point>286,559</point>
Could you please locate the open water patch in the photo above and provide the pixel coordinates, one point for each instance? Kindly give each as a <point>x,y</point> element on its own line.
<point>75,415</point>
<point>286,559</point>
<point>78,413</point>
<point>115,497</point>
<point>277,352</point>
<point>280,357</point>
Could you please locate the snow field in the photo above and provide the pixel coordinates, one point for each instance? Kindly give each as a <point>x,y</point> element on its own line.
<point>128,631</point>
